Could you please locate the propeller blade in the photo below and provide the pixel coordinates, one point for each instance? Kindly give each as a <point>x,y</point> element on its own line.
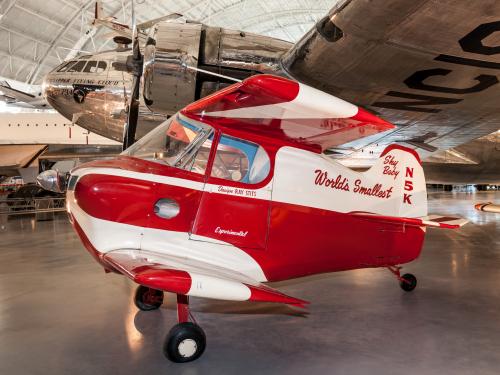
<point>135,64</point>
<point>132,115</point>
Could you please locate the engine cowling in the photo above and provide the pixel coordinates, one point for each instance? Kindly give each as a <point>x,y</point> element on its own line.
<point>171,47</point>
<point>168,85</point>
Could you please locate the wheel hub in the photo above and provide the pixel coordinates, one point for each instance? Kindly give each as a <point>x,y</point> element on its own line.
<point>187,348</point>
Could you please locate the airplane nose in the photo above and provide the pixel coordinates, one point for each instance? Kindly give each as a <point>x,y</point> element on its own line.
<point>93,99</point>
<point>85,99</point>
<point>55,90</point>
<point>83,104</point>
<point>52,181</point>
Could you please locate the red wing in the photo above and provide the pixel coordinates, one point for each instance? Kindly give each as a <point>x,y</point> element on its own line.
<point>193,278</point>
<point>287,111</point>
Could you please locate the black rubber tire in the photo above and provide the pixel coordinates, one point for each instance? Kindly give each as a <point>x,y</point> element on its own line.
<point>410,284</point>
<point>143,293</point>
<point>179,333</point>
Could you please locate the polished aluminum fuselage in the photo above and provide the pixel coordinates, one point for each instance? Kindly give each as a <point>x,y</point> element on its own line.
<point>97,100</point>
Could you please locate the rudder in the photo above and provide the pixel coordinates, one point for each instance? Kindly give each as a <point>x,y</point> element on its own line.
<point>401,167</point>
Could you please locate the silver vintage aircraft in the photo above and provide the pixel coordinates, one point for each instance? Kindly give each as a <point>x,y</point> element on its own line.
<point>429,67</point>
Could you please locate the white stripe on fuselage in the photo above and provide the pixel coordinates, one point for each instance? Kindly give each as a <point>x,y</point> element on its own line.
<point>107,236</point>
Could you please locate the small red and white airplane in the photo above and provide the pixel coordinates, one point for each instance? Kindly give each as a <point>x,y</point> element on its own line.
<point>234,191</point>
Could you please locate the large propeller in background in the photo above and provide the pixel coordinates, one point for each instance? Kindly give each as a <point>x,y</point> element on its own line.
<point>134,65</point>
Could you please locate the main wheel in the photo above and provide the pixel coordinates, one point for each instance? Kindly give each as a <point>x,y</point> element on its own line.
<point>410,282</point>
<point>147,299</point>
<point>184,343</point>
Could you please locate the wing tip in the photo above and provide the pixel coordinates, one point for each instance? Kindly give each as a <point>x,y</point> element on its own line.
<point>364,115</point>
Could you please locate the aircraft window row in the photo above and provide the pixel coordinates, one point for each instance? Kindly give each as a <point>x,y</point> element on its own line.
<point>182,143</point>
<point>84,66</point>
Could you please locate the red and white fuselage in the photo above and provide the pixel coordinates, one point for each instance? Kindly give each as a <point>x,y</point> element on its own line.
<point>297,223</point>
<point>220,237</point>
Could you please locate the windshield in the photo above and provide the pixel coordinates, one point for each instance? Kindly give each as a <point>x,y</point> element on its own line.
<point>178,142</point>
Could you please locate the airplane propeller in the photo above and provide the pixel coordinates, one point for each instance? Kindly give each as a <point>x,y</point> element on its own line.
<point>134,65</point>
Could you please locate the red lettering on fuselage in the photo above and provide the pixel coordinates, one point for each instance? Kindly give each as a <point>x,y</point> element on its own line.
<point>406,198</point>
<point>339,183</point>
<point>374,191</point>
<point>408,185</point>
<point>390,166</point>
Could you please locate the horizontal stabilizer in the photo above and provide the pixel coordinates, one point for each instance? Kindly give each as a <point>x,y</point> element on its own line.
<point>146,25</point>
<point>193,278</point>
<point>437,221</point>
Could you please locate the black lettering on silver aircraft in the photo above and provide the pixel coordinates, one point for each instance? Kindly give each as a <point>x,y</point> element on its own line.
<point>80,91</point>
<point>473,43</point>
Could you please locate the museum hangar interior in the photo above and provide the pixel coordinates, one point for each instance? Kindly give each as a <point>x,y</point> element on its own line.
<point>225,186</point>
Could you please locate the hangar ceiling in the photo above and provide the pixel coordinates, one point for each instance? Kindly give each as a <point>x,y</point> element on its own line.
<point>36,36</point>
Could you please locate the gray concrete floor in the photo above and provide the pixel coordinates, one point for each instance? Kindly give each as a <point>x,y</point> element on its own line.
<point>60,314</point>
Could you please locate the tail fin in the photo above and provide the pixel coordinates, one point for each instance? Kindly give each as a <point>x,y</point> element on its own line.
<point>401,168</point>
<point>98,11</point>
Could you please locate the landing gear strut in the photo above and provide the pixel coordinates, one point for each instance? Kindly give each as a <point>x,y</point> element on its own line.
<point>186,340</point>
<point>147,299</point>
<point>407,282</point>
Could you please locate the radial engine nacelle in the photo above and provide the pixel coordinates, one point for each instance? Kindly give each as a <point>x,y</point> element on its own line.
<point>173,49</point>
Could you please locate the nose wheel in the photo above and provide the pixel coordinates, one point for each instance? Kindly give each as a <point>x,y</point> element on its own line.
<point>407,282</point>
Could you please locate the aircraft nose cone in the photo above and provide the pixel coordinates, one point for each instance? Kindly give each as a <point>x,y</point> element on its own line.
<point>59,91</point>
<point>52,181</point>
<point>88,102</point>
<point>53,90</point>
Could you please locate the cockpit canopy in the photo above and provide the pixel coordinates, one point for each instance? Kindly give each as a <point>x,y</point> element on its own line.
<point>183,143</point>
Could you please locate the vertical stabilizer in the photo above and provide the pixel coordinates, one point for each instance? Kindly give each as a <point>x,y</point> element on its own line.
<point>403,165</point>
<point>98,11</point>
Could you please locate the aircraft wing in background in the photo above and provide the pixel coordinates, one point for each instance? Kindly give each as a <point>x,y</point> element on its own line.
<point>430,67</point>
<point>21,98</point>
